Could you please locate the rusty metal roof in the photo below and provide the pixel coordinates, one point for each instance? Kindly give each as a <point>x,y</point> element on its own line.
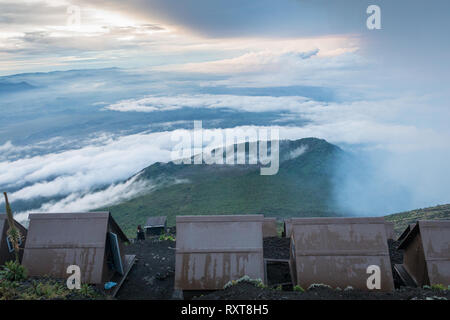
<point>288,227</point>
<point>5,254</point>
<point>212,250</point>
<point>156,222</point>
<point>337,251</point>
<point>57,240</point>
<point>405,232</point>
<point>4,222</point>
<point>433,238</point>
<point>270,227</point>
<point>390,231</point>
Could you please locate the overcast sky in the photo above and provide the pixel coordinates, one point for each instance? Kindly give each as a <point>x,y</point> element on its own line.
<point>35,34</point>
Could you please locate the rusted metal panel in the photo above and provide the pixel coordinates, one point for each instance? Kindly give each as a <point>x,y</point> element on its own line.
<point>337,251</point>
<point>270,227</point>
<point>156,225</point>
<point>57,240</point>
<point>156,222</point>
<point>287,228</point>
<point>405,232</point>
<point>5,253</point>
<point>390,232</point>
<point>212,250</point>
<point>426,254</point>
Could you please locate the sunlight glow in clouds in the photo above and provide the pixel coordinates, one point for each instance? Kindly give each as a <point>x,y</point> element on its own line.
<point>37,37</point>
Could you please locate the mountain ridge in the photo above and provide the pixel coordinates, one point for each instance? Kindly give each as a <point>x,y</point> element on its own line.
<point>303,186</point>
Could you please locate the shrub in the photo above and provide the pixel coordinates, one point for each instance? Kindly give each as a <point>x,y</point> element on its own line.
<point>438,286</point>
<point>8,290</point>
<point>47,290</point>
<point>13,271</point>
<point>256,282</point>
<point>318,285</point>
<point>348,288</point>
<point>88,291</point>
<point>298,288</point>
<point>165,237</point>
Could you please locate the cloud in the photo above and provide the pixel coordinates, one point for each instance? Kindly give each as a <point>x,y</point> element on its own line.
<point>78,202</point>
<point>298,152</point>
<point>239,103</point>
<point>116,159</point>
<point>283,62</point>
<point>76,170</point>
<point>235,18</point>
<point>76,174</point>
<point>382,123</point>
<point>7,147</point>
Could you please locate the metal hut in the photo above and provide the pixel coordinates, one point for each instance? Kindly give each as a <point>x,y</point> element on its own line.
<point>338,251</point>
<point>155,226</point>
<point>6,248</point>
<point>426,256</point>
<point>93,241</point>
<point>212,250</point>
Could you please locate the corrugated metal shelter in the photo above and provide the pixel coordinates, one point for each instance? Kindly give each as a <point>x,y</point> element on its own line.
<point>426,256</point>
<point>270,227</point>
<point>287,228</point>
<point>390,232</point>
<point>405,232</point>
<point>6,249</point>
<point>337,252</point>
<point>212,250</point>
<point>155,226</point>
<point>93,241</point>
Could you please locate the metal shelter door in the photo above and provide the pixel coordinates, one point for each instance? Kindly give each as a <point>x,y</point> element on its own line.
<point>114,243</point>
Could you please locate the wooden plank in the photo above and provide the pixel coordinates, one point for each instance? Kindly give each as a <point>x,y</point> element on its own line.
<point>129,262</point>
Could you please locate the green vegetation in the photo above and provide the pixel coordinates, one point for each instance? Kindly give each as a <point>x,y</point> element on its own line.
<point>256,282</point>
<point>46,290</point>
<point>439,287</point>
<point>319,285</point>
<point>166,237</point>
<point>302,187</point>
<point>403,219</point>
<point>13,271</point>
<point>14,285</point>
<point>298,288</point>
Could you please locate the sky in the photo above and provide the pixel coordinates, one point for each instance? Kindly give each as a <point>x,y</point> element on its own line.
<point>74,96</point>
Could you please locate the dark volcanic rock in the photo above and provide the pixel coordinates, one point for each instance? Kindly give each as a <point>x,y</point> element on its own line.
<point>276,248</point>
<point>152,277</point>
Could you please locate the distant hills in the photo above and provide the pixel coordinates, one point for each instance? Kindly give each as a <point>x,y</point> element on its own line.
<point>402,219</point>
<point>303,187</point>
<point>11,87</point>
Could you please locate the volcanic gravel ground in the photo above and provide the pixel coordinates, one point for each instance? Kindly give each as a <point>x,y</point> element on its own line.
<point>276,248</point>
<point>278,273</point>
<point>248,291</point>
<point>396,258</point>
<point>152,276</point>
